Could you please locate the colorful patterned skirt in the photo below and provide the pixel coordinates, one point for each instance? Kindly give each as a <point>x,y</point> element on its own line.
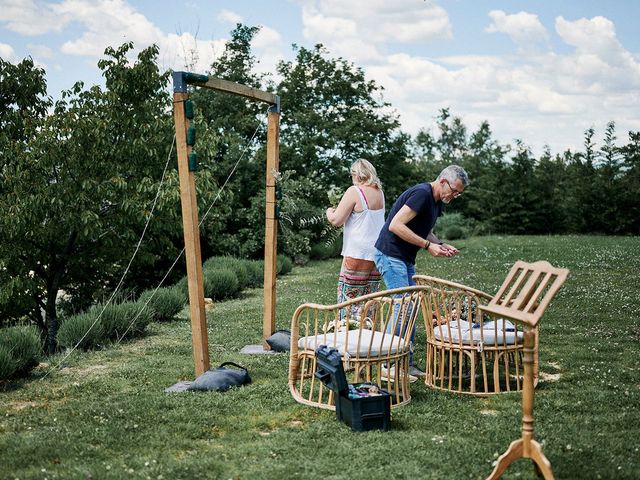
<point>357,277</point>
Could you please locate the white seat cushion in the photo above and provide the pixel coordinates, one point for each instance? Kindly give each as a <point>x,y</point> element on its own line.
<point>505,333</point>
<point>358,342</point>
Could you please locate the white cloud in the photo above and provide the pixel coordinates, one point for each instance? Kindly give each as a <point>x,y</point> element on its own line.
<point>540,98</point>
<point>185,52</point>
<point>40,51</point>
<point>590,35</point>
<point>229,17</point>
<point>107,23</point>
<point>27,17</point>
<point>268,48</point>
<point>360,29</point>
<point>599,56</point>
<point>525,29</point>
<point>539,95</point>
<point>7,52</point>
<point>267,38</point>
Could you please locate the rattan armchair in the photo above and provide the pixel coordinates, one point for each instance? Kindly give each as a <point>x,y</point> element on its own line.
<point>469,352</point>
<point>375,346</point>
<point>480,344</point>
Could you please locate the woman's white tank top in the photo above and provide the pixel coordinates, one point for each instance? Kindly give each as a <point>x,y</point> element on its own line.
<point>361,230</point>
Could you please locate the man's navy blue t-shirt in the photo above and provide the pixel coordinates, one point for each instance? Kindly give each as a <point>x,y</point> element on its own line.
<point>418,198</point>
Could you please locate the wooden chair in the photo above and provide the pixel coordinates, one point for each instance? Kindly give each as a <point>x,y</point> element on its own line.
<point>467,351</point>
<point>375,345</point>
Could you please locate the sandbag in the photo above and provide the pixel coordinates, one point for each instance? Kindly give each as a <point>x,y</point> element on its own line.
<point>221,379</point>
<point>280,341</point>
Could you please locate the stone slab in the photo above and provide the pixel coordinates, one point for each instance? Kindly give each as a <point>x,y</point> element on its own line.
<point>178,387</point>
<point>256,350</point>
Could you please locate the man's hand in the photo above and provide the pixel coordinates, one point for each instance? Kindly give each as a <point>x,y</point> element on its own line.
<point>452,250</point>
<point>442,250</point>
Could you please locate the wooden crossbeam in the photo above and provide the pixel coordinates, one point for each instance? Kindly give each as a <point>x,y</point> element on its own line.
<point>237,89</point>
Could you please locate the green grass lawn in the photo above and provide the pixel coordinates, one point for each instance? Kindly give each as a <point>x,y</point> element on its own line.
<point>104,414</point>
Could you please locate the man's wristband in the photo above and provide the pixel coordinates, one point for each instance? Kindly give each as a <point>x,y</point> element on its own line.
<point>426,246</point>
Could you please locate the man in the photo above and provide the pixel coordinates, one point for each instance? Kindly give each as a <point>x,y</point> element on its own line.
<point>409,228</point>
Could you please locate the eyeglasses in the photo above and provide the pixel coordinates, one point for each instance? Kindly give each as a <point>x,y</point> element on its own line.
<point>456,193</point>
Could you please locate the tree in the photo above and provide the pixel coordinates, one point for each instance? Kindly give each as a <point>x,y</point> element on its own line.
<point>226,125</point>
<point>519,197</point>
<point>23,107</point>
<point>452,142</point>
<point>80,188</point>
<point>484,162</point>
<point>609,179</point>
<point>629,186</point>
<point>580,208</point>
<point>332,116</point>
<point>551,182</point>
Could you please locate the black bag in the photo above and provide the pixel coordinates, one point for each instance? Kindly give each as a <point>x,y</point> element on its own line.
<point>221,379</point>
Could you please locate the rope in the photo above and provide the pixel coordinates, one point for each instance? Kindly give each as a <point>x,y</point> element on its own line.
<point>217,197</point>
<point>135,253</point>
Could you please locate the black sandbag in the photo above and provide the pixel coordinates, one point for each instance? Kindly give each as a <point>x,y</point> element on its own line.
<point>280,341</point>
<point>221,379</point>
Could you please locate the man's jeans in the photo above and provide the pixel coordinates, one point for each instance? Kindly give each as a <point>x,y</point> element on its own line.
<point>396,273</point>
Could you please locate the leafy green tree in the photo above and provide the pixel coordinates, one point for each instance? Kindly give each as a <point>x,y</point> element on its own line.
<point>333,115</point>
<point>452,142</point>
<point>79,189</point>
<point>518,196</point>
<point>581,206</point>
<point>608,191</point>
<point>551,183</point>
<point>484,162</point>
<point>231,130</point>
<point>23,107</point>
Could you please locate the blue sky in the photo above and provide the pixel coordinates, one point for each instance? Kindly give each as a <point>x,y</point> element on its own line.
<point>540,71</point>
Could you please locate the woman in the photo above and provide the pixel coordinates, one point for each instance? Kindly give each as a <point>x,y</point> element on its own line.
<point>361,211</point>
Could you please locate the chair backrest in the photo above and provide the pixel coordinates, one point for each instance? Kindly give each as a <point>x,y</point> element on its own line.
<point>527,290</point>
<point>379,331</point>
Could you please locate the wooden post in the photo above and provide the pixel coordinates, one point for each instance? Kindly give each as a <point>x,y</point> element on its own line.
<point>190,210</point>
<point>271,227</point>
<point>190,222</point>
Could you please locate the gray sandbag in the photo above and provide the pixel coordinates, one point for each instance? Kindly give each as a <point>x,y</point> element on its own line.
<point>221,379</point>
<point>280,341</point>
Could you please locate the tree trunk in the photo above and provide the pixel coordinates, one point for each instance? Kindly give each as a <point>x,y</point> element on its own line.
<point>51,319</point>
<point>57,269</point>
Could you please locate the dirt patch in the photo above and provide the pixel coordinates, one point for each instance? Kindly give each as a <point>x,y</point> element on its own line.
<point>85,372</point>
<point>17,406</point>
<point>488,411</point>
<point>550,377</point>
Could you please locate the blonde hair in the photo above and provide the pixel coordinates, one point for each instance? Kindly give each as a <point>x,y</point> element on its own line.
<point>365,173</point>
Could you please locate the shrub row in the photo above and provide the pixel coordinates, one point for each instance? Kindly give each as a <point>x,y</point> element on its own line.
<point>101,324</point>
<point>165,303</point>
<point>20,350</point>
<point>226,277</point>
<point>326,249</point>
<point>453,226</point>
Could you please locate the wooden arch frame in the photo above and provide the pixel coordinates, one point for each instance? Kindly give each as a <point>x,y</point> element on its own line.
<point>181,80</point>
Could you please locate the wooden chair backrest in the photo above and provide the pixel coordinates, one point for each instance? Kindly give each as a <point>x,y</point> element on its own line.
<point>527,290</point>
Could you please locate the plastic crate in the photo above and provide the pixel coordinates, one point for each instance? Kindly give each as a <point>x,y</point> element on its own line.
<point>362,406</point>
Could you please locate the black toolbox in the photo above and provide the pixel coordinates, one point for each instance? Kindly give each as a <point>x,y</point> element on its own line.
<point>362,406</point>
